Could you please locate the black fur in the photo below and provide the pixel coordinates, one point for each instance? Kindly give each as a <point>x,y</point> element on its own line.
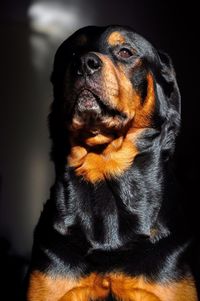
<point>103,227</point>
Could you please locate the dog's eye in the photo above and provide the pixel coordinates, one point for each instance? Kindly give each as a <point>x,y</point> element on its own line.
<point>125,53</point>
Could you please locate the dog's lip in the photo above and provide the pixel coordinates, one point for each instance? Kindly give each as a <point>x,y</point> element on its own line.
<point>87,101</point>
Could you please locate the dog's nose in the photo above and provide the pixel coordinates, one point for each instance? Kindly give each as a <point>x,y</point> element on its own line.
<point>88,64</point>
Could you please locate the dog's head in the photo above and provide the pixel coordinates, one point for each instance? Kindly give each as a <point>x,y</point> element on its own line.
<point>109,82</point>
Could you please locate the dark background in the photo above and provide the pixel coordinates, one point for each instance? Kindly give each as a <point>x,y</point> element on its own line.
<point>27,47</point>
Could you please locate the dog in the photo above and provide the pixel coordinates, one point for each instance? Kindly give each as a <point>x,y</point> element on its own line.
<point>113,228</point>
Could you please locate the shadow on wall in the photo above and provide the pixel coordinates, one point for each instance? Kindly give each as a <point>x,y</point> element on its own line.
<point>26,171</point>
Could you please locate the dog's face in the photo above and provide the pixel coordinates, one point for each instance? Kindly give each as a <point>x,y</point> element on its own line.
<point>108,81</point>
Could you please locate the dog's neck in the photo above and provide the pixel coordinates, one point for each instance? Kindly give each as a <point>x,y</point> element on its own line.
<point>119,209</point>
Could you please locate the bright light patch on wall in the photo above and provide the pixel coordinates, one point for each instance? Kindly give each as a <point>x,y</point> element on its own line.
<point>54,19</point>
<point>51,23</point>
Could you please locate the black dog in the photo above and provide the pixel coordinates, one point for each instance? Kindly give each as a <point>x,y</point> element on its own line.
<point>112,229</point>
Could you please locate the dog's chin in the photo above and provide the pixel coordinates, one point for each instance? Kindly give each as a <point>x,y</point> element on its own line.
<point>92,115</point>
<point>87,105</point>
<point>88,112</point>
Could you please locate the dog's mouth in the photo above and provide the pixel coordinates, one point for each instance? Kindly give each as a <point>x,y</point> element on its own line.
<point>90,105</point>
<point>87,103</point>
<point>93,115</point>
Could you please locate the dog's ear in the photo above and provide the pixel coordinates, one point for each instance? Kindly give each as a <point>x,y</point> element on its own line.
<point>168,102</point>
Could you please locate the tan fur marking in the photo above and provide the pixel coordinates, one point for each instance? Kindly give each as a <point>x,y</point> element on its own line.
<point>153,233</point>
<point>116,158</point>
<point>45,288</point>
<point>121,95</point>
<point>76,156</point>
<point>98,139</point>
<point>117,88</point>
<point>91,288</point>
<point>96,286</point>
<point>116,38</point>
<point>137,289</point>
<point>144,112</point>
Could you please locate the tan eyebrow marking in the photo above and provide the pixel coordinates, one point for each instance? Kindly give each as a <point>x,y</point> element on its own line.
<point>116,38</point>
